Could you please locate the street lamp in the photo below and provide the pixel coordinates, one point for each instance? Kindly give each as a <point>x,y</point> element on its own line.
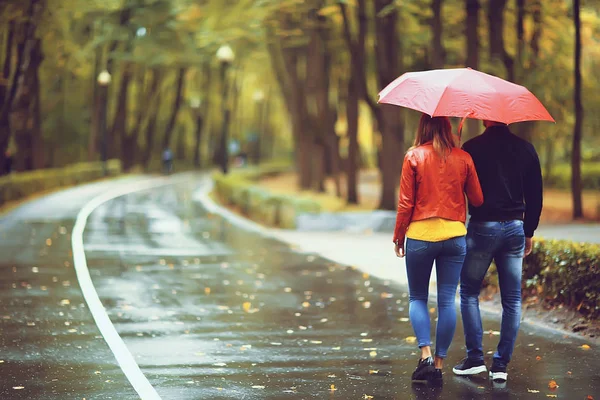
<point>104,79</point>
<point>225,56</point>
<point>195,104</point>
<point>258,98</point>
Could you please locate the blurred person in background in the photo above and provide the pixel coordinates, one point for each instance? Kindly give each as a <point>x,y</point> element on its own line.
<point>431,216</point>
<point>167,158</point>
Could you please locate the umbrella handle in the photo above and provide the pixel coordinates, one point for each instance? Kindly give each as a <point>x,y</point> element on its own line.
<point>460,127</point>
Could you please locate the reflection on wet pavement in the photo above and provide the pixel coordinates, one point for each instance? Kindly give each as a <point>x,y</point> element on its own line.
<point>212,312</point>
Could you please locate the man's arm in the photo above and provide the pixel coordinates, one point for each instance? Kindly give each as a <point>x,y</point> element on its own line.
<point>533,193</point>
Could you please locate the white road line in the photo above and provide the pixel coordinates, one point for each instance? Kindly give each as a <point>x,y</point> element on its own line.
<point>124,357</point>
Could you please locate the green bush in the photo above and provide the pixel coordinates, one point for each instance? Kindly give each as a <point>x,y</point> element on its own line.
<point>19,185</point>
<point>560,177</point>
<point>238,189</point>
<point>566,273</point>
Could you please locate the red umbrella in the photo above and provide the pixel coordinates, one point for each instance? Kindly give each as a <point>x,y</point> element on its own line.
<point>467,93</point>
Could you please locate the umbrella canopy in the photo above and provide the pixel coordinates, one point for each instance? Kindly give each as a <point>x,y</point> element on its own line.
<point>467,93</point>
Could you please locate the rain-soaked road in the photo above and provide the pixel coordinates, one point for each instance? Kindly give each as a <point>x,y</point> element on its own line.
<point>213,312</point>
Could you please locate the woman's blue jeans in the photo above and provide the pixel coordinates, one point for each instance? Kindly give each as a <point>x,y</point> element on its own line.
<point>449,256</point>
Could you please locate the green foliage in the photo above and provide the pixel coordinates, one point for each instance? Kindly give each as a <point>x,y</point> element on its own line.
<point>564,272</point>
<point>560,177</point>
<point>237,189</point>
<point>18,186</point>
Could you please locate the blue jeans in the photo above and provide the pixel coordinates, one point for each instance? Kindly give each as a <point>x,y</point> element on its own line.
<point>449,256</point>
<point>503,242</point>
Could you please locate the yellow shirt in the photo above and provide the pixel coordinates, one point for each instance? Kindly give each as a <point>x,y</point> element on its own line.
<point>435,229</point>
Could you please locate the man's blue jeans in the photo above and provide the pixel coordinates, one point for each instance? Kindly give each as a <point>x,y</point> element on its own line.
<point>503,242</point>
<point>449,256</point>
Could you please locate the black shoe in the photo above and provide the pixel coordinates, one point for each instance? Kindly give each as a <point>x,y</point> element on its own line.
<point>424,371</point>
<point>498,373</point>
<point>469,367</point>
<point>436,379</point>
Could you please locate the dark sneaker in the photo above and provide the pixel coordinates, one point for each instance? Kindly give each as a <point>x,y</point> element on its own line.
<point>498,373</point>
<point>469,367</point>
<point>424,370</point>
<point>436,378</point>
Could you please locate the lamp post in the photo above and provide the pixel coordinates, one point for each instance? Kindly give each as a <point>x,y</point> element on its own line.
<point>225,56</point>
<point>104,79</point>
<point>195,104</point>
<point>258,98</point>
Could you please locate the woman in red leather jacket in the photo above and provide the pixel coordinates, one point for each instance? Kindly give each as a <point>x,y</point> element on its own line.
<point>436,174</point>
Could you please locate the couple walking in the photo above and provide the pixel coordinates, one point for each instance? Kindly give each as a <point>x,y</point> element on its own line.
<point>501,177</point>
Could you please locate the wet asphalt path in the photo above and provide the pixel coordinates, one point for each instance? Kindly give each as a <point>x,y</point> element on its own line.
<point>212,312</point>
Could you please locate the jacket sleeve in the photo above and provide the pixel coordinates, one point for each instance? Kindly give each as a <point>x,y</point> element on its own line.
<point>533,194</point>
<point>406,198</point>
<point>472,185</point>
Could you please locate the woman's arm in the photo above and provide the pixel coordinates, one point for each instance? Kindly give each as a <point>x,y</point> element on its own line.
<point>406,199</point>
<point>472,185</point>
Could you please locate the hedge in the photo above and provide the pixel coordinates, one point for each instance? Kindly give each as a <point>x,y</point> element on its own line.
<point>238,189</point>
<point>565,272</point>
<point>560,177</point>
<point>17,186</point>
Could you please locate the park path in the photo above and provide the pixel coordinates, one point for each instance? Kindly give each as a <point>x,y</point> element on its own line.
<point>212,310</point>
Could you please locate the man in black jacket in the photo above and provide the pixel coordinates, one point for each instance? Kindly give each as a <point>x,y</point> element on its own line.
<point>500,230</point>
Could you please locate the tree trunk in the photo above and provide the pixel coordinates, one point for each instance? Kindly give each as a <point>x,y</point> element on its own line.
<point>576,186</point>
<point>129,140</point>
<point>392,127</point>
<point>438,58</point>
<point>119,126</point>
<point>176,107</point>
<point>23,110</point>
<point>198,141</point>
<point>153,109</point>
<point>472,33</point>
<point>498,52</point>
<point>352,132</point>
<point>520,39</point>
<point>9,91</point>
<point>93,140</point>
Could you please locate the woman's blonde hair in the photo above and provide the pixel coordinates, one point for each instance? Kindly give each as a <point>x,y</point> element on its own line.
<point>437,130</point>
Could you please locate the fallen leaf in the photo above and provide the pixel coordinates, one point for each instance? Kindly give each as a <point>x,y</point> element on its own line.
<point>332,388</point>
<point>551,395</point>
<point>35,270</point>
<point>589,397</point>
<point>367,397</point>
<point>569,373</point>
<point>373,353</point>
<point>366,340</point>
<point>323,320</point>
<point>432,310</point>
<point>533,391</point>
<point>552,384</point>
<point>373,371</point>
<point>316,341</point>
<point>365,275</point>
<point>585,347</point>
<point>18,387</point>
<point>306,304</point>
<point>404,319</point>
<point>220,364</point>
<point>331,376</point>
<point>138,268</point>
<point>538,358</point>
<point>207,290</point>
<point>246,306</point>
<point>258,387</point>
<point>411,339</point>
<point>65,302</point>
<point>336,348</point>
<point>287,289</point>
<point>48,242</point>
<point>367,304</point>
